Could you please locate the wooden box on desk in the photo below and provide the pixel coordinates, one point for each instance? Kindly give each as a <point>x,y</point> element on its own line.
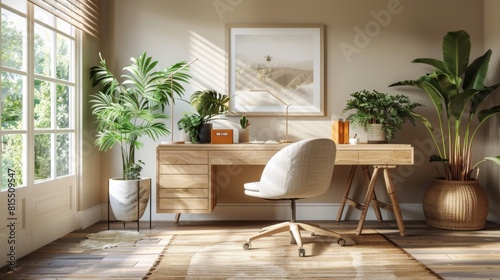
<point>222,136</point>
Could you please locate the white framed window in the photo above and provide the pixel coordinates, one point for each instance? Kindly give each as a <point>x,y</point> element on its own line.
<point>38,82</point>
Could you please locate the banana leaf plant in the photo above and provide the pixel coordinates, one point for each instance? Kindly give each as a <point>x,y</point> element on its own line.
<point>128,110</point>
<point>456,89</point>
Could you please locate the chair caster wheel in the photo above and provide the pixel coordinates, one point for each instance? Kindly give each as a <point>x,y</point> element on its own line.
<point>342,242</point>
<point>247,245</point>
<point>302,252</point>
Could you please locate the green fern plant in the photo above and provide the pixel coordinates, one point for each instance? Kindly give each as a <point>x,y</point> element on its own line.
<point>126,111</point>
<point>372,107</point>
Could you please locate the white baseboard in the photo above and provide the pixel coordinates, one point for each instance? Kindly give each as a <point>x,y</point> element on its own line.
<point>25,244</point>
<point>280,211</point>
<point>270,211</point>
<point>494,214</point>
<point>90,216</point>
<point>51,233</point>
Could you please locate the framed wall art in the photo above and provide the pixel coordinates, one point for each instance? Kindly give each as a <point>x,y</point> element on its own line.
<point>276,67</point>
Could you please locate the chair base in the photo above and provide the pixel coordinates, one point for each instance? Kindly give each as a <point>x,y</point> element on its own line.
<point>294,229</point>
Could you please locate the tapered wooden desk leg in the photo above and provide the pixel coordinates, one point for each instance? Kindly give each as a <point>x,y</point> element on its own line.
<point>346,192</point>
<point>368,198</point>
<point>366,173</point>
<point>394,202</point>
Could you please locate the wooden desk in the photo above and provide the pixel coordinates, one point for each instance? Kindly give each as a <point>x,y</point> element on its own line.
<point>185,180</point>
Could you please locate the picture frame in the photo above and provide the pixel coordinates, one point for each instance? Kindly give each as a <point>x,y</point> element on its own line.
<point>276,69</point>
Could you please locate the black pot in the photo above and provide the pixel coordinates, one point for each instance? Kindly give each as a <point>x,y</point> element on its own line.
<point>205,133</point>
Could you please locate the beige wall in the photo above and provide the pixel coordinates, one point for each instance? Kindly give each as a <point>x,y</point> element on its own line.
<point>491,178</point>
<point>89,186</point>
<point>382,35</point>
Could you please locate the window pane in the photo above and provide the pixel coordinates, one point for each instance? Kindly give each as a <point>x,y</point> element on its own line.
<point>43,104</point>
<point>63,148</point>
<point>13,40</point>
<point>64,26</point>
<point>44,16</point>
<point>12,158</point>
<point>43,54</point>
<point>64,106</point>
<point>11,105</point>
<point>43,156</point>
<point>64,55</point>
<point>19,5</point>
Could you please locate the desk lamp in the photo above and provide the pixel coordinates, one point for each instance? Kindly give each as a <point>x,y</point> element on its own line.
<point>286,140</point>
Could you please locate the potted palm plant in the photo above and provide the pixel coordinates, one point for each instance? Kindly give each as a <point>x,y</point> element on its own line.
<point>455,200</point>
<point>380,114</point>
<point>208,105</point>
<point>128,110</point>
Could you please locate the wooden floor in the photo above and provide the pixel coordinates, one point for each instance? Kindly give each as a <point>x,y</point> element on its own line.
<point>451,254</point>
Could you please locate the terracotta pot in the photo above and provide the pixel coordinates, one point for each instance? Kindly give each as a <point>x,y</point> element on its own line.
<point>455,205</point>
<point>123,198</point>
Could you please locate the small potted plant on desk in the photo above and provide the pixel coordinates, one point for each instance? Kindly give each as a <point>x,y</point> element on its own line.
<point>208,104</point>
<point>127,111</point>
<point>381,115</point>
<point>244,131</point>
<point>455,200</point>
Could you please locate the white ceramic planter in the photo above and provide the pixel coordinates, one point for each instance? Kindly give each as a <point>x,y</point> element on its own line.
<point>375,134</point>
<point>123,198</point>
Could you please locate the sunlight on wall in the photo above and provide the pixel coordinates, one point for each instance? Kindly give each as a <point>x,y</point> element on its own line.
<point>209,70</point>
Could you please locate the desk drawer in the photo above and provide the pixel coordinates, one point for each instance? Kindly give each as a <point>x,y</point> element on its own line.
<point>183,157</point>
<point>182,169</point>
<point>183,193</point>
<point>183,204</point>
<point>241,157</point>
<point>386,157</point>
<point>183,181</point>
<point>346,158</point>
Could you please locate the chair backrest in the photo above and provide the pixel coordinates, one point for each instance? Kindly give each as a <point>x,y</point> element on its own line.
<point>302,169</point>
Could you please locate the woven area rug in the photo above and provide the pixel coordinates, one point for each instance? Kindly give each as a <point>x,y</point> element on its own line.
<point>108,239</point>
<point>220,255</point>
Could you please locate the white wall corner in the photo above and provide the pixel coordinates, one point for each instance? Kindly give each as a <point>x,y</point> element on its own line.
<point>91,216</point>
<point>494,214</point>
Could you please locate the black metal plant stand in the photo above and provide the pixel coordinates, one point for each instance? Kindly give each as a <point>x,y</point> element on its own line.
<point>138,208</point>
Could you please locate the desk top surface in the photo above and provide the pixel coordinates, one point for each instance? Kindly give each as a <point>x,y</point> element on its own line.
<point>360,154</point>
<point>249,146</point>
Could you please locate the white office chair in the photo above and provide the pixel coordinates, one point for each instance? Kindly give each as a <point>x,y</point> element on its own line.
<point>300,170</point>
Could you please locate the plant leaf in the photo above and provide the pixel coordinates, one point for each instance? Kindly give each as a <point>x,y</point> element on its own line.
<point>494,159</point>
<point>486,113</point>
<point>437,158</point>
<point>456,51</point>
<point>476,73</point>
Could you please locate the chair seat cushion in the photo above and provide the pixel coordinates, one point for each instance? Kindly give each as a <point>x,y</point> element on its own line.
<point>252,189</point>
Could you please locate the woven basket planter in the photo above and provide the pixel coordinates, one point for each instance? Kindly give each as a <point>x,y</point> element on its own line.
<point>455,205</point>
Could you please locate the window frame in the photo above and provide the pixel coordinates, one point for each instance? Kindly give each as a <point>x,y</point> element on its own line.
<point>73,86</point>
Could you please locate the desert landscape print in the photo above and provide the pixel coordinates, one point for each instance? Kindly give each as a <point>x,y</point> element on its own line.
<point>278,61</point>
